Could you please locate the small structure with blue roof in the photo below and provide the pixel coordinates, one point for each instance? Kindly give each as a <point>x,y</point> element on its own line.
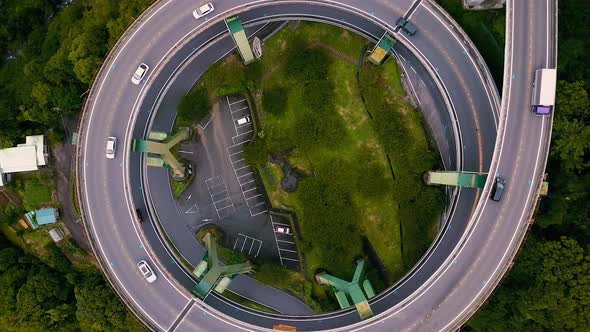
<point>42,217</point>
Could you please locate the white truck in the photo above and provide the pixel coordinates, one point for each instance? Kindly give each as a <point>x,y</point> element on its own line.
<point>544,91</point>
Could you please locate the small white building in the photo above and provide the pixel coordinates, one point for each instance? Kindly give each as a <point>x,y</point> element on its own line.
<point>25,157</point>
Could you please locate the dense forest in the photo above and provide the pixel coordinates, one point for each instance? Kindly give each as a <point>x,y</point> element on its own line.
<point>49,54</point>
<point>548,288</point>
<point>51,295</point>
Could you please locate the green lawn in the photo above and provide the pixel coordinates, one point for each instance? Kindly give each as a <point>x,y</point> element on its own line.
<point>311,111</point>
<point>352,162</point>
<point>36,192</point>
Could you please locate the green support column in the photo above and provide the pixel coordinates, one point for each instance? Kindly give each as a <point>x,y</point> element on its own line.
<point>345,290</point>
<point>240,39</point>
<point>381,50</point>
<point>161,148</point>
<point>216,273</point>
<point>456,179</point>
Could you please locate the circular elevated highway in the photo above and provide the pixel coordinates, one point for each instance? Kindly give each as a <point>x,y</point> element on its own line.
<point>469,255</point>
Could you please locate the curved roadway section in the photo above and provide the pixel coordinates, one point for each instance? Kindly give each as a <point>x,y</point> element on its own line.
<point>451,290</point>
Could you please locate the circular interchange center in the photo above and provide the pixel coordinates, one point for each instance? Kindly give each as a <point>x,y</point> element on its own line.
<point>306,165</point>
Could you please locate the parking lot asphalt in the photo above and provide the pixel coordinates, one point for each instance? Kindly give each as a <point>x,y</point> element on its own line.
<point>225,191</point>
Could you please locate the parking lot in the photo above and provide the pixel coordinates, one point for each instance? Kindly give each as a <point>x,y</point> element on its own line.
<point>222,202</point>
<point>243,172</point>
<point>225,190</point>
<point>285,243</point>
<point>247,245</point>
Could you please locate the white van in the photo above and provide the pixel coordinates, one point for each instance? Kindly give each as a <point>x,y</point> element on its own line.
<point>243,121</point>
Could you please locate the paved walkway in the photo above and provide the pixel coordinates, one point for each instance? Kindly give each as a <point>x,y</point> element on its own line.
<point>62,164</point>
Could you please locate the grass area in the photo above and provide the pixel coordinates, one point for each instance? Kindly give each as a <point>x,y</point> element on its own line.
<point>358,148</point>
<point>351,175</point>
<point>178,187</point>
<point>35,190</point>
<point>247,303</point>
<point>36,241</point>
<point>486,29</point>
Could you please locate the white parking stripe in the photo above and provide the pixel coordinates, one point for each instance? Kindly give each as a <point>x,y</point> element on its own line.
<point>241,109</point>
<point>256,214</point>
<point>235,102</point>
<point>285,241</point>
<point>290,259</point>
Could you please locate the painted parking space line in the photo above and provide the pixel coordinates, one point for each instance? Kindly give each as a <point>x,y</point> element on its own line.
<point>192,209</point>
<point>247,245</point>
<point>235,102</point>
<point>240,109</point>
<point>254,213</point>
<point>247,183</point>
<point>241,176</point>
<point>290,259</point>
<point>220,197</point>
<point>281,224</point>
<point>243,172</point>
<point>287,249</point>
<point>245,191</point>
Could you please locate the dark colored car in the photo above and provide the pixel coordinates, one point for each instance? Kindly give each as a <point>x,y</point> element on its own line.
<point>409,28</point>
<point>498,189</point>
<point>139,216</point>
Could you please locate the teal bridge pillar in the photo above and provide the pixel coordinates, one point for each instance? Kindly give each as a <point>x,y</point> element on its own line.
<point>456,179</point>
<point>158,146</point>
<point>234,25</point>
<point>352,290</point>
<point>212,273</point>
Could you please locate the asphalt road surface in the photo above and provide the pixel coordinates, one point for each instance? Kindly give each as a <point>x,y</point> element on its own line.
<point>438,296</point>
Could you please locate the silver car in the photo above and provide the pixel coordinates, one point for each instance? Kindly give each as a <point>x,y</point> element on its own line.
<point>111,147</point>
<point>146,271</point>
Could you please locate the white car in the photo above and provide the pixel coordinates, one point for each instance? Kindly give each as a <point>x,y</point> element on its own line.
<point>111,147</point>
<point>243,121</point>
<point>284,230</point>
<point>139,73</point>
<point>203,10</point>
<point>146,271</point>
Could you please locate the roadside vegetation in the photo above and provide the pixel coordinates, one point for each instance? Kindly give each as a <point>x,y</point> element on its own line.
<point>359,164</point>
<point>50,294</point>
<point>49,55</point>
<point>547,288</point>
<point>486,29</point>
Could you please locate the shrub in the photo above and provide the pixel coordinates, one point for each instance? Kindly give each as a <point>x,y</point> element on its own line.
<point>274,101</point>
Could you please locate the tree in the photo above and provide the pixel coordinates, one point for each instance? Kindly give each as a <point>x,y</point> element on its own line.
<point>8,258</point>
<point>193,107</point>
<point>99,309</point>
<point>547,289</point>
